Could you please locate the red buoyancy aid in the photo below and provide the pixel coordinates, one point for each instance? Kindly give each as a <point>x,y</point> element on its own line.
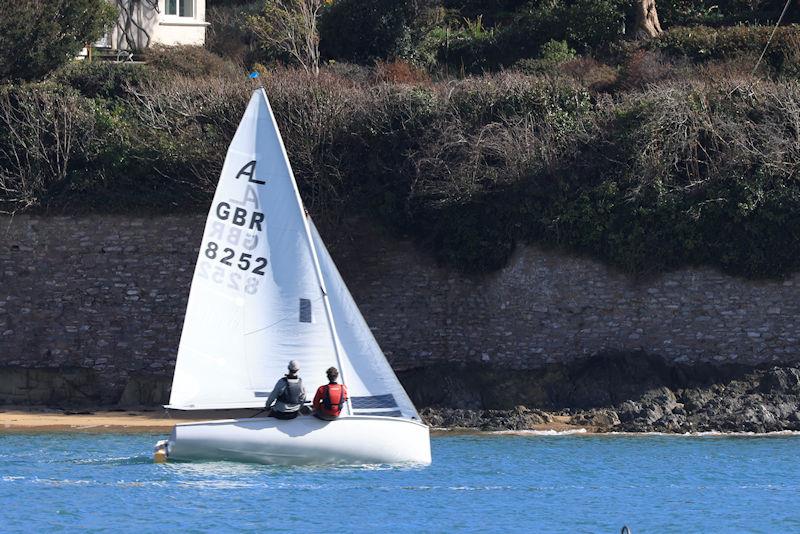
<point>333,399</point>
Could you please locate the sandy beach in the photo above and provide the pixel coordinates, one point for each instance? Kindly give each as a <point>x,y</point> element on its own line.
<point>14,420</point>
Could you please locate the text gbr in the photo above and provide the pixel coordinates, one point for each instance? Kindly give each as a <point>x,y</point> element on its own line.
<point>239,216</point>
<point>248,221</point>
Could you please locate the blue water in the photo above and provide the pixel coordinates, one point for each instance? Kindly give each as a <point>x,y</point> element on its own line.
<point>485,483</point>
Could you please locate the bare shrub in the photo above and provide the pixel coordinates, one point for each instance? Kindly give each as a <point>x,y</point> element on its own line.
<point>227,34</point>
<point>352,72</point>
<point>644,68</point>
<point>400,72</point>
<point>761,136</point>
<point>590,73</point>
<point>738,69</point>
<point>188,60</point>
<point>43,129</point>
<point>291,26</point>
<point>524,127</point>
<point>314,113</point>
<point>682,136</point>
<point>185,124</point>
<point>457,162</point>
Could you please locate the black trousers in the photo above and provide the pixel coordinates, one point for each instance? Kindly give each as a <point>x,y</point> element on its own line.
<point>282,415</point>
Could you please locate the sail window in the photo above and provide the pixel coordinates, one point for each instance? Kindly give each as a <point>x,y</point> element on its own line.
<point>381,413</point>
<point>305,311</point>
<point>375,401</point>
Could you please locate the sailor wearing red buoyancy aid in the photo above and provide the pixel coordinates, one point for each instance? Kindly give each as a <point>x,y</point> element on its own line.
<point>330,398</point>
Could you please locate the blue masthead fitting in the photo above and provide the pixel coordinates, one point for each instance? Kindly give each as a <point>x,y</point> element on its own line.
<point>253,74</point>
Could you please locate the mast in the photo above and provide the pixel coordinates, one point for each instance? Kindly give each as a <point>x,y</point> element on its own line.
<point>312,250</point>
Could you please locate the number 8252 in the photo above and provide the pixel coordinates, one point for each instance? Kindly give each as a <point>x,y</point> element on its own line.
<point>244,262</point>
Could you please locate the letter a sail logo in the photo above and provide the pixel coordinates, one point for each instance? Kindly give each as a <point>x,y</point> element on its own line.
<point>249,171</point>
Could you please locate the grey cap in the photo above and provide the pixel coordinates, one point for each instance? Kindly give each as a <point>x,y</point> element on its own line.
<point>294,366</point>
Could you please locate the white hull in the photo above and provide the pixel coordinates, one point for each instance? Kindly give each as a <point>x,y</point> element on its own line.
<point>304,440</point>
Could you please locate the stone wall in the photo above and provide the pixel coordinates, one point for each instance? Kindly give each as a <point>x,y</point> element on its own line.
<point>108,294</point>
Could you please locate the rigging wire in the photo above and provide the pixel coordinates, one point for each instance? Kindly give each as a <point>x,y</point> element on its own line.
<point>771,35</point>
<point>766,46</point>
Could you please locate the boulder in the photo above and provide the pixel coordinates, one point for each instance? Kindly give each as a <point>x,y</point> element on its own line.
<point>780,380</point>
<point>601,419</point>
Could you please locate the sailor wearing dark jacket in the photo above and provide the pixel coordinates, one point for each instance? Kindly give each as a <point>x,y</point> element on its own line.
<point>288,395</point>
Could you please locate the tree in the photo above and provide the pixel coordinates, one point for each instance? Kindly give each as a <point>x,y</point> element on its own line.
<point>647,24</point>
<point>38,36</point>
<point>290,26</point>
<point>136,18</point>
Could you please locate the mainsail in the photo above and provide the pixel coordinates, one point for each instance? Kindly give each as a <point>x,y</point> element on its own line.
<point>258,296</point>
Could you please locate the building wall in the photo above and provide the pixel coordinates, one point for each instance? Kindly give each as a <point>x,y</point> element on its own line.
<point>179,32</point>
<point>172,30</point>
<point>160,28</point>
<point>108,294</point>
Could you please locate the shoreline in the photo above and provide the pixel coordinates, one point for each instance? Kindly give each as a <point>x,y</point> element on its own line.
<point>16,420</point>
<point>19,421</point>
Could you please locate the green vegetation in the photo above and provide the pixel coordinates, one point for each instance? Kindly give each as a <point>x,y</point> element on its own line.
<point>703,44</point>
<point>650,155</point>
<point>37,37</point>
<point>680,173</point>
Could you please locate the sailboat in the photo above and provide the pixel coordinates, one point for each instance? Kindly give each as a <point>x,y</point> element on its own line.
<point>266,291</point>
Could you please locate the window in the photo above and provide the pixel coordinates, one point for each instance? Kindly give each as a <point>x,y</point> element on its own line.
<point>181,8</point>
<point>305,311</point>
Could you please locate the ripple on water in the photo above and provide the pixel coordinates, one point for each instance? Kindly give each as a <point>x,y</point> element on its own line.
<point>477,483</point>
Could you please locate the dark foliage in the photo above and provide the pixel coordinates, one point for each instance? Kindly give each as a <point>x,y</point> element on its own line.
<point>38,36</point>
<point>673,173</point>
<point>362,31</point>
<point>585,25</point>
<point>187,60</point>
<point>702,43</point>
<point>228,34</point>
<point>104,80</point>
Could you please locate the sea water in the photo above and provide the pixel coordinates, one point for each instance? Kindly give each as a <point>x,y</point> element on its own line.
<point>477,483</point>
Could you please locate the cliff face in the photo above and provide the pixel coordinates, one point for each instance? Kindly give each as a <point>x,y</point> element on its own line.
<point>101,299</point>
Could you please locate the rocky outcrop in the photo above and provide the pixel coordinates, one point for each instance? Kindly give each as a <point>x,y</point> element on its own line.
<point>601,420</point>
<point>606,379</point>
<point>605,394</point>
<point>762,401</point>
<point>519,418</point>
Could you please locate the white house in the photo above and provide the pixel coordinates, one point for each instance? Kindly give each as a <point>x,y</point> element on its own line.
<point>143,23</point>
